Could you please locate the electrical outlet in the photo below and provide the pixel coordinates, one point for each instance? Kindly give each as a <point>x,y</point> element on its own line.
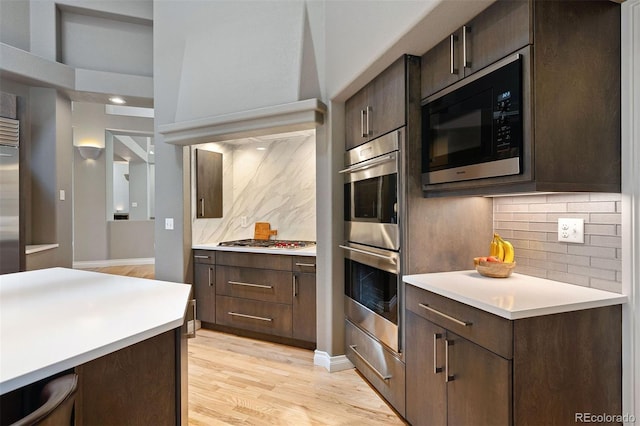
<point>243,221</point>
<point>168,223</point>
<point>571,230</point>
<point>134,204</point>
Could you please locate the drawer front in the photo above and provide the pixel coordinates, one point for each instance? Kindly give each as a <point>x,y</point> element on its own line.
<point>380,367</point>
<point>255,284</point>
<point>254,260</point>
<point>204,256</point>
<point>485,329</point>
<point>303,264</point>
<point>270,318</point>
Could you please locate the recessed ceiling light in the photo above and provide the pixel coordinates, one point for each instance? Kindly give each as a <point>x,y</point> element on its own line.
<point>117,100</point>
<point>261,148</point>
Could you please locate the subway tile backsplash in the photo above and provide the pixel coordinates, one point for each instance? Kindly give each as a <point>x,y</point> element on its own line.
<point>530,222</point>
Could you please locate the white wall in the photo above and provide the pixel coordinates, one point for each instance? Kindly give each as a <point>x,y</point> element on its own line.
<point>121,187</point>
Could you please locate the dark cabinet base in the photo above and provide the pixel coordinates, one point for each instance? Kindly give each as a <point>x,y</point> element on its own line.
<point>260,336</point>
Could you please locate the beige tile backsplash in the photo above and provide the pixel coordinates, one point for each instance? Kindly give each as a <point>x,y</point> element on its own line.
<point>530,222</point>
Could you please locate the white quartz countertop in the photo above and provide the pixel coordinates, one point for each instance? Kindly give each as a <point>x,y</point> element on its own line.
<point>518,296</point>
<point>305,251</point>
<point>55,319</point>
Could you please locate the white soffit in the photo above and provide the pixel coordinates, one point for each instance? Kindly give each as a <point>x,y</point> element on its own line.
<point>294,116</point>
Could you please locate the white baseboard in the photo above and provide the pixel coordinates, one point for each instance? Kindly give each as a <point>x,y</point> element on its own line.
<point>113,262</point>
<point>333,364</point>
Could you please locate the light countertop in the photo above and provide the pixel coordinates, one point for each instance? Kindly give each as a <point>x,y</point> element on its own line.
<point>37,248</point>
<point>306,251</point>
<point>518,296</point>
<point>55,319</point>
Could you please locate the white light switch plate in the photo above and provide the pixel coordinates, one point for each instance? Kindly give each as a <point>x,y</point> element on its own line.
<point>62,195</point>
<point>168,223</point>
<point>571,230</point>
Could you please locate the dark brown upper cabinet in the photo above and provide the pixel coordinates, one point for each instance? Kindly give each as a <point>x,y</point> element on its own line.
<point>571,94</point>
<point>380,106</point>
<point>208,184</point>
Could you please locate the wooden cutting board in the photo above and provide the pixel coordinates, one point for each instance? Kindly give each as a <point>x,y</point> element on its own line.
<point>263,231</point>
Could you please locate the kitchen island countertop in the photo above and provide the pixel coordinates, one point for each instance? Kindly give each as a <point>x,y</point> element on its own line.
<point>305,251</point>
<point>58,318</point>
<point>516,297</point>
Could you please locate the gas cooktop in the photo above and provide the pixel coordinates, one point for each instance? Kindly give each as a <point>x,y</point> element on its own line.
<point>268,243</point>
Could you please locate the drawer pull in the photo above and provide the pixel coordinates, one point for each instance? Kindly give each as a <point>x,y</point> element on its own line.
<point>210,281</point>
<point>250,285</point>
<point>368,364</point>
<point>308,265</point>
<point>457,321</point>
<point>236,314</point>
<point>447,377</point>
<point>436,369</point>
<point>200,256</point>
<point>294,284</point>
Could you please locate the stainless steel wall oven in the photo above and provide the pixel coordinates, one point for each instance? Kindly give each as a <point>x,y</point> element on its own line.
<point>373,221</point>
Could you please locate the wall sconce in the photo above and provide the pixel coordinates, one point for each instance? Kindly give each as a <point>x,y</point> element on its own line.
<point>89,152</point>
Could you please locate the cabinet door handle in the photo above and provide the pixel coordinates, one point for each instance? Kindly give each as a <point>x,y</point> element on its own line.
<point>368,364</point>
<point>201,207</point>
<point>442,314</point>
<point>369,110</point>
<point>250,285</point>
<point>447,377</point>
<point>237,314</point>
<point>436,369</point>
<point>294,284</point>
<point>362,123</point>
<point>200,256</point>
<point>452,50</point>
<point>308,265</point>
<point>465,58</point>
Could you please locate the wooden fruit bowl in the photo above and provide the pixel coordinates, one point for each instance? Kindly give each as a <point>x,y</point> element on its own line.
<point>495,269</point>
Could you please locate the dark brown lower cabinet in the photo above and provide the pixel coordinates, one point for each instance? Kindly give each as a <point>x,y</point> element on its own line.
<point>465,366</point>
<point>453,381</point>
<point>141,384</point>
<point>265,296</point>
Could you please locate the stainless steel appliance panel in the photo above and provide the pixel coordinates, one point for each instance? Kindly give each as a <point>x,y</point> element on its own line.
<point>9,197</point>
<point>372,297</point>
<point>372,192</point>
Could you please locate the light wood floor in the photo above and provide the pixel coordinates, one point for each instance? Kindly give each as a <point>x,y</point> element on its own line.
<point>240,381</point>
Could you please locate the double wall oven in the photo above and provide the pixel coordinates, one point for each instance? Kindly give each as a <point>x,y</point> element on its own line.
<point>372,228</point>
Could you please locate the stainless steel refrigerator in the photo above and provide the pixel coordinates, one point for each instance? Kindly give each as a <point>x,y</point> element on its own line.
<point>9,196</point>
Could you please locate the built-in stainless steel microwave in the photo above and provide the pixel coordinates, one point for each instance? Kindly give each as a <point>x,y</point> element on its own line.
<point>473,129</point>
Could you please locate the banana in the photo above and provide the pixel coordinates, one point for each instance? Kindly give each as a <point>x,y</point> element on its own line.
<point>494,247</point>
<point>507,248</point>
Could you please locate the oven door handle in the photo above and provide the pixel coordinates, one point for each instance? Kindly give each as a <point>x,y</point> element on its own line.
<point>368,163</point>
<point>369,253</point>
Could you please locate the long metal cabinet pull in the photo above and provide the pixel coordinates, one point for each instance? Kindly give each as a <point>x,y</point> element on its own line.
<point>362,123</point>
<point>368,109</point>
<point>465,61</point>
<point>436,369</point>
<point>200,256</point>
<point>201,207</point>
<point>368,364</point>
<point>447,377</point>
<point>237,314</point>
<point>457,321</point>
<point>210,283</point>
<point>452,40</point>
<point>294,284</point>
<point>308,265</point>
<point>249,284</point>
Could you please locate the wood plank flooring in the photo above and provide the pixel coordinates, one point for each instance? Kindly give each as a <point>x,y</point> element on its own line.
<point>240,381</point>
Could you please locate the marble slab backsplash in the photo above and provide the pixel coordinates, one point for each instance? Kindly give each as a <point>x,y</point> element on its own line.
<point>530,222</point>
<point>270,179</point>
